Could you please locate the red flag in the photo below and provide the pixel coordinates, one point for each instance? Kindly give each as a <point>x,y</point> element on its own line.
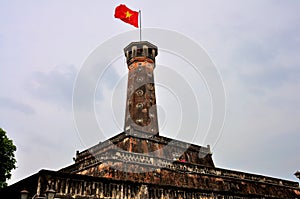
<point>127,15</point>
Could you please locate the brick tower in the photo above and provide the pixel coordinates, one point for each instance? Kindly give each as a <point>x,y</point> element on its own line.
<point>141,111</point>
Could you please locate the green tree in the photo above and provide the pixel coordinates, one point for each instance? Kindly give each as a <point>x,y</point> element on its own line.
<point>7,158</point>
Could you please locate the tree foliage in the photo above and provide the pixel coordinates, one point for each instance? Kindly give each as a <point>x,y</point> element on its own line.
<point>7,158</point>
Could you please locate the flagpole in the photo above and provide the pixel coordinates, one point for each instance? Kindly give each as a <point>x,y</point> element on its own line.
<point>140,14</point>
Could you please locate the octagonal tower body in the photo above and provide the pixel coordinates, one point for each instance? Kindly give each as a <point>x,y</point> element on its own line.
<point>141,110</point>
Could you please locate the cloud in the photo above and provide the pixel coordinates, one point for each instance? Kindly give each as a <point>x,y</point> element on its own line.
<point>55,86</point>
<point>14,105</point>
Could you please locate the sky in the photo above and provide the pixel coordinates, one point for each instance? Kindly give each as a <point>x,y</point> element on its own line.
<point>254,45</point>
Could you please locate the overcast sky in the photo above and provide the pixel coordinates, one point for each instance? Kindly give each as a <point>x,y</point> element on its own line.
<point>255,45</point>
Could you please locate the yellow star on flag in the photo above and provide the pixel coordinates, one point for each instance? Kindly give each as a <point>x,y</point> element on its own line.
<point>128,14</point>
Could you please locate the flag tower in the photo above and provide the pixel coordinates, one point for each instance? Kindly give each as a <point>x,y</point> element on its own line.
<point>141,110</point>
<point>141,164</point>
